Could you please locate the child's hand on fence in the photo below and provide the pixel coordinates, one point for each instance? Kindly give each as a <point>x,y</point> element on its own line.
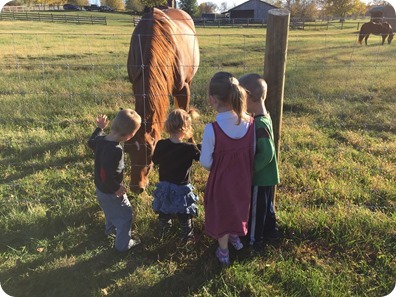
<point>102,121</point>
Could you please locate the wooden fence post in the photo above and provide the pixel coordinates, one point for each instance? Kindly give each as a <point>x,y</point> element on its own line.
<point>275,67</point>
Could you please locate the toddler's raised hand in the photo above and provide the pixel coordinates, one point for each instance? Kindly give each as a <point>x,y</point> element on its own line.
<point>102,121</point>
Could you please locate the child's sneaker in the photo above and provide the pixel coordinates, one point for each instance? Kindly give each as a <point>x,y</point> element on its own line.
<point>235,241</point>
<point>133,242</point>
<point>223,256</point>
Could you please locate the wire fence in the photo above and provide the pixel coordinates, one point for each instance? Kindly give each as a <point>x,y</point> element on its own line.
<point>65,73</point>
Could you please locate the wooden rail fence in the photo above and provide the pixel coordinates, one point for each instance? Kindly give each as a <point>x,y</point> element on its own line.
<point>53,17</point>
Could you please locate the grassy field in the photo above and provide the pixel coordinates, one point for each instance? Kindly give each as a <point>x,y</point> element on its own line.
<point>335,203</point>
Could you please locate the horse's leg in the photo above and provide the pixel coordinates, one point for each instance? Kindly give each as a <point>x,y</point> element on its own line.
<point>140,150</point>
<point>365,38</point>
<point>383,39</point>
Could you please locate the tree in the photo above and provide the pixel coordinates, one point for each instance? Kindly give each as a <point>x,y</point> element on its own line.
<point>207,7</point>
<point>116,4</point>
<point>189,6</point>
<point>153,3</point>
<point>339,8</point>
<point>359,8</point>
<point>134,5</point>
<point>223,6</point>
<point>302,9</point>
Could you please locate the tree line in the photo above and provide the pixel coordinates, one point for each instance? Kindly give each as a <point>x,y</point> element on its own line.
<point>304,9</point>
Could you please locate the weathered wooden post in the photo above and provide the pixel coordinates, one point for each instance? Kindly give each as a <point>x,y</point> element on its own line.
<point>275,68</point>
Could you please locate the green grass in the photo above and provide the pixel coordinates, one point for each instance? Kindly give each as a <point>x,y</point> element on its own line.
<point>335,203</point>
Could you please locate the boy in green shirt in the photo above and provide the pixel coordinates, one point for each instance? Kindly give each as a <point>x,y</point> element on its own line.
<point>262,221</point>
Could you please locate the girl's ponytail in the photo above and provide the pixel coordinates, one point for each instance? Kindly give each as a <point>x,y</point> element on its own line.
<point>237,98</point>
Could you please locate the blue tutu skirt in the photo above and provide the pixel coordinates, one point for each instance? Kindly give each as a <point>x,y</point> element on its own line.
<point>171,199</point>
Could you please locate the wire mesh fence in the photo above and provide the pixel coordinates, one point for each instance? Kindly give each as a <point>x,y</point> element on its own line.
<point>54,82</point>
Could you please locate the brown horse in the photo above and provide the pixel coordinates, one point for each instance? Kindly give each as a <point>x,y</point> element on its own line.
<point>383,29</point>
<point>163,59</point>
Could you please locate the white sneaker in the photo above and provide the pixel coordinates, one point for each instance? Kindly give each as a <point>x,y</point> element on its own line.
<point>133,242</point>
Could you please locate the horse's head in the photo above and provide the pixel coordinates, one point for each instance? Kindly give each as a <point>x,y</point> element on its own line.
<point>391,34</point>
<point>140,149</point>
<point>390,38</point>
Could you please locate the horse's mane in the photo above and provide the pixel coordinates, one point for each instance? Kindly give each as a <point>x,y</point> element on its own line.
<point>162,64</point>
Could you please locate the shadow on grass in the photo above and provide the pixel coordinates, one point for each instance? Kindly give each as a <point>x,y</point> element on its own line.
<point>24,159</point>
<point>79,260</point>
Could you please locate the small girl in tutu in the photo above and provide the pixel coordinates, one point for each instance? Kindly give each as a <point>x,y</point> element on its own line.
<point>174,194</point>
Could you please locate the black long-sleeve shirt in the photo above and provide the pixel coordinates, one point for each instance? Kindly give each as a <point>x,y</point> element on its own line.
<point>109,162</point>
<point>175,160</point>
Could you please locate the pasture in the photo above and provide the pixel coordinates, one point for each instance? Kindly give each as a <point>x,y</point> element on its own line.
<point>335,204</point>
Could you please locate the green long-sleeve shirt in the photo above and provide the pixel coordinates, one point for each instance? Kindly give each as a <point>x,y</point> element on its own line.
<point>265,164</point>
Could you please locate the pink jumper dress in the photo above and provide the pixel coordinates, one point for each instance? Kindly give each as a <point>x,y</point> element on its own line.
<point>228,189</point>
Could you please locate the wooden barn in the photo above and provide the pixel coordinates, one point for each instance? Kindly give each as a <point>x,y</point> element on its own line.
<point>384,13</point>
<point>252,9</point>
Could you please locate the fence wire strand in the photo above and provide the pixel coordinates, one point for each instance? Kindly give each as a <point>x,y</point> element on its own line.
<point>29,53</point>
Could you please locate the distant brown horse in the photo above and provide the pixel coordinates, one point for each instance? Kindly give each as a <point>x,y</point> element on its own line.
<point>383,29</point>
<point>163,59</point>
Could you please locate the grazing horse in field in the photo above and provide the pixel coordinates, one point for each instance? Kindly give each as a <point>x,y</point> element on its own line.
<point>163,59</point>
<point>383,29</point>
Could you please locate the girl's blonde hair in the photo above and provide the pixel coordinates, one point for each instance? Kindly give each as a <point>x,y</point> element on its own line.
<point>226,88</point>
<point>126,122</point>
<point>180,120</point>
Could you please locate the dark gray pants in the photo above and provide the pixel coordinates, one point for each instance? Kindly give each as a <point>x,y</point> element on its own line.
<point>185,221</point>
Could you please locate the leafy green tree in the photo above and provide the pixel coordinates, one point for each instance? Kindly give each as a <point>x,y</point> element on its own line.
<point>115,4</point>
<point>134,5</point>
<point>152,3</point>
<point>189,6</point>
<point>339,8</point>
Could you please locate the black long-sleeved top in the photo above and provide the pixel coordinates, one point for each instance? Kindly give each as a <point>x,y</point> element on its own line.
<point>109,162</point>
<point>175,160</point>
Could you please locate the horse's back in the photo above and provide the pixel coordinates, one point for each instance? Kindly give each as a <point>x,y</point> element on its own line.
<point>139,48</point>
<point>183,21</point>
<point>186,42</point>
<point>375,28</point>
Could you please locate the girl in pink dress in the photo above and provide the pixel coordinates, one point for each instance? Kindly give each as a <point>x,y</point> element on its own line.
<point>227,152</point>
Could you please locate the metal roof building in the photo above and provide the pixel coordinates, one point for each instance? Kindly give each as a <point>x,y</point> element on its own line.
<point>384,13</point>
<point>254,9</point>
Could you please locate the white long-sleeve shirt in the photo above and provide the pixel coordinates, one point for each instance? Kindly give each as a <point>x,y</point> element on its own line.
<point>228,123</point>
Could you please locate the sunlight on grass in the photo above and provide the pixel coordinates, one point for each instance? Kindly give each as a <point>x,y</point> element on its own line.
<point>335,203</point>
